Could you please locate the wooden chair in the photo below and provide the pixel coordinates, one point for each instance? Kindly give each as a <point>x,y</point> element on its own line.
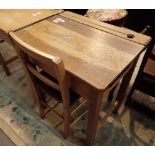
<point>47,73</point>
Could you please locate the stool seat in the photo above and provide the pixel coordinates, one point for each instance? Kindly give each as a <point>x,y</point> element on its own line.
<point>112,16</point>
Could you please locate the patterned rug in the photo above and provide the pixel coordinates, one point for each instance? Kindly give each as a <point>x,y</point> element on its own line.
<point>25,129</point>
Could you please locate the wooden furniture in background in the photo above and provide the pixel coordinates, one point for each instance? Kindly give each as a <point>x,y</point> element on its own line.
<point>11,20</point>
<point>96,57</point>
<point>145,79</point>
<point>112,16</point>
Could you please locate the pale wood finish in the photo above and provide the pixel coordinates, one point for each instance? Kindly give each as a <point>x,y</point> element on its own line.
<point>96,56</point>
<point>14,19</point>
<point>11,20</point>
<point>83,56</point>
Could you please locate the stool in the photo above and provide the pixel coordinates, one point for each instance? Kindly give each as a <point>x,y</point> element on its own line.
<point>115,17</point>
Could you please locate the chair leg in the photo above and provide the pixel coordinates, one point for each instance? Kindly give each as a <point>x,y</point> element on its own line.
<point>42,102</point>
<point>42,110</point>
<point>40,97</point>
<point>4,65</point>
<point>66,110</point>
<point>66,122</point>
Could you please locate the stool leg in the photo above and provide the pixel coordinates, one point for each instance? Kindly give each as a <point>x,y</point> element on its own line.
<point>4,65</point>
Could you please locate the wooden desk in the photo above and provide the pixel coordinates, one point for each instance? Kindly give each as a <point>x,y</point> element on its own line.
<point>11,20</point>
<point>96,56</point>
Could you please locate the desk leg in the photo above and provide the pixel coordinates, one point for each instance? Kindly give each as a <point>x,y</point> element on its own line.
<point>93,114</point>
<point>123,87</point>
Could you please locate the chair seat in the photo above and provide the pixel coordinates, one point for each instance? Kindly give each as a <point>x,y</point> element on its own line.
<point>55,93</point>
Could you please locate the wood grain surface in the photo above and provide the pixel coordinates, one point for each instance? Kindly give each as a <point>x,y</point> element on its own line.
<point>115,30</point>
<point>90,54</point>
<point>11,20</point>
